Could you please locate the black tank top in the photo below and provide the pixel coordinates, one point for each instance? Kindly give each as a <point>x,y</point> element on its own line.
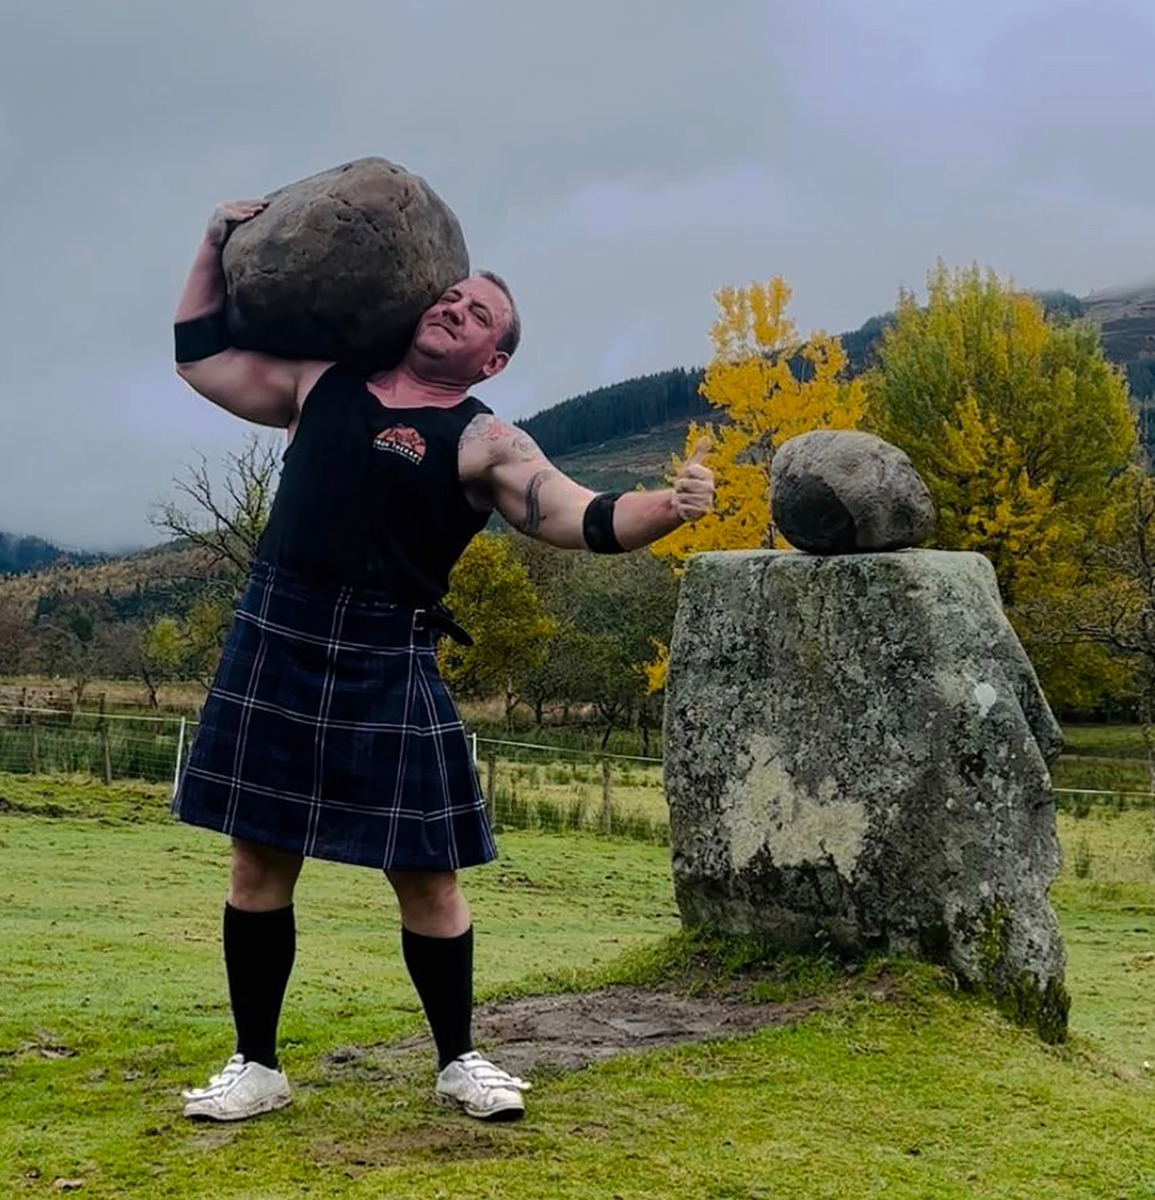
<point>370,496</point>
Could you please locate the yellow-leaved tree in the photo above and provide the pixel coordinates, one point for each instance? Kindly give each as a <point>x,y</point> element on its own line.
<point>768,386</point>
<point>1023,432</point>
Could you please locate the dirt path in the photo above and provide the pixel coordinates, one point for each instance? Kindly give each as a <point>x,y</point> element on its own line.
<point>568,1032</point>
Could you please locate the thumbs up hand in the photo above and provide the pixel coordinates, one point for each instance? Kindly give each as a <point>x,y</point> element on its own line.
<point>694,485</point>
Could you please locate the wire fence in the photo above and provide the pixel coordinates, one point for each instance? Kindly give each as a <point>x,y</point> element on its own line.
<point>110,746</point>
<point>527,785</point>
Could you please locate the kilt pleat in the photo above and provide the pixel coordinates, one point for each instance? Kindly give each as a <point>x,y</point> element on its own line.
<point>329,732</point>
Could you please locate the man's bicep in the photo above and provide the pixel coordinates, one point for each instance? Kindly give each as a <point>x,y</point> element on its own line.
<point>541,501</point>
<point>256,387</point>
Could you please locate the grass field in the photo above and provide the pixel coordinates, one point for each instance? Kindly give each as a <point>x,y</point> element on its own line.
<point>113,999</point>
<point>1104,741</point>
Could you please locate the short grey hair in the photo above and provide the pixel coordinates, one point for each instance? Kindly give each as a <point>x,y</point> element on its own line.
<point>512,335</point>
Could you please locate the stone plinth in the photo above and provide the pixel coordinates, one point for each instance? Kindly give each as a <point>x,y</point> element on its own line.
<point>856,754</point>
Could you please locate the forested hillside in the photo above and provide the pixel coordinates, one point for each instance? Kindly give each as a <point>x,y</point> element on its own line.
<point>19,554</point>
<point>633,406</point>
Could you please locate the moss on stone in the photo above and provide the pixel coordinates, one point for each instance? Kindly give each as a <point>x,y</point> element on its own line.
<point>1044,1008</point>
<point>1018,996</point>
<point>994,941</point>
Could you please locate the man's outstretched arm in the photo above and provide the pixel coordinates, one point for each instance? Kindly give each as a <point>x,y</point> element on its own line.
<point>257,387</point>
<point>541,501</point>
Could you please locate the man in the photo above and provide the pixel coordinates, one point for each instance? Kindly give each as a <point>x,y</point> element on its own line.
<point>328,732</point>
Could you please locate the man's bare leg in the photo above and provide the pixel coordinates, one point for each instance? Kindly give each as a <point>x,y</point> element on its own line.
<point>431,902</point>
<point>262,879</point>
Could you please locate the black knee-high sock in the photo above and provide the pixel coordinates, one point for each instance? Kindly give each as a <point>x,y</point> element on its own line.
<point>442,973</point>
<point>259,951</point>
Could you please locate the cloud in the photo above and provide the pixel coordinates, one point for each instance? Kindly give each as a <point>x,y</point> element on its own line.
<point>617,162</point>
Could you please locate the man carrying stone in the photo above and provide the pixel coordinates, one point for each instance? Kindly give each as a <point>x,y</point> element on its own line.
<point>328,732</point>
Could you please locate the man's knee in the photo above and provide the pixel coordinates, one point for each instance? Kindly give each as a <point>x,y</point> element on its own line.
<point>424,889</point>
<point>262,878</point>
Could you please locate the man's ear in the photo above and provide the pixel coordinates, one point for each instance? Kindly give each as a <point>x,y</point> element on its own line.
<point>495,365</point>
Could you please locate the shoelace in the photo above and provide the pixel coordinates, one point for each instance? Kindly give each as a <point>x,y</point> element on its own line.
<point>485,1074</point>
<point>218,1083</point>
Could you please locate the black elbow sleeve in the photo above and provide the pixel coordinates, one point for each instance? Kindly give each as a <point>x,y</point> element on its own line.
<point>202,337</point>
<point>598,524</point>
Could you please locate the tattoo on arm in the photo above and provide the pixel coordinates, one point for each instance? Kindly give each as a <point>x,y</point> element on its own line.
<point>525,447</point>
<point>533,515</point>
<point>487,428</point>
<point>483,428</point>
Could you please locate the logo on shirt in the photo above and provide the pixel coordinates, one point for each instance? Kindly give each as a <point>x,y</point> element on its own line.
<point>403,440</point>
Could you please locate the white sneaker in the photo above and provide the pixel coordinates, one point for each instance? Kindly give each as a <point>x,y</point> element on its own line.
<point>481,1089</point>
<point>242,1089</point>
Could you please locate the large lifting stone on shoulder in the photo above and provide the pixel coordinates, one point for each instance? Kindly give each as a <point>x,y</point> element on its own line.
<point>342,264</point>
<point>857,754</point>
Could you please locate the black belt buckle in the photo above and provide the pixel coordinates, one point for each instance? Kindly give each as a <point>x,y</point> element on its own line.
<point>441,621</point>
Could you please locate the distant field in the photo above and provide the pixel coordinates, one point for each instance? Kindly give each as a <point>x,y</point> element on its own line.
<point>180,699</point>
<point>1104,741</point>
<point>1115,754</point>
<point>1108,758</point>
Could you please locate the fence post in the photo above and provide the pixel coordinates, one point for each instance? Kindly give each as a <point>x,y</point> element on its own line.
<point>473,739</point>
<point>35,744</point>
<point>23,718</point>
<point>491,786</point>
<point>607,813</point>
<point>104,741</point>
<point>179,751</point>
<point>579,788</point>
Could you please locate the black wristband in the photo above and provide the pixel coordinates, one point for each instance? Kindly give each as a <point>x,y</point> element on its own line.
<point>202,337</point>
<point>598,524</point>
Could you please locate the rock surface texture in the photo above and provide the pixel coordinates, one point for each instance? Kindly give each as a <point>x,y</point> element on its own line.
<point>835,492</point>
<point>857,754</point>
<point>342,264</point>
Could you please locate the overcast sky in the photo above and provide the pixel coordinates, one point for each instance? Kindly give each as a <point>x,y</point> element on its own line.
<point>616,160</point>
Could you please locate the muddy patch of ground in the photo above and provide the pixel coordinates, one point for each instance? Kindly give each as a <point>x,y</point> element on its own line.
<point>433,1140</point>
<point>568,1032</point>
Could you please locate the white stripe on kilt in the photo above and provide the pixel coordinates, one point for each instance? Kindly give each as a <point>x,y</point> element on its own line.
<point>315,639</point>
<point>242,735</point>
<point>391,839</point>
<point>322,721</point>
<point>308,801</point>
<point>310,720</point>
<point>439,748</point>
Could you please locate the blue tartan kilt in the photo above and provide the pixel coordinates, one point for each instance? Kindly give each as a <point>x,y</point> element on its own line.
<point>328,732</point>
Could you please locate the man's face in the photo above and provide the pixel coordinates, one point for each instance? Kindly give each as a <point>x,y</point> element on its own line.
<point>458,335</point>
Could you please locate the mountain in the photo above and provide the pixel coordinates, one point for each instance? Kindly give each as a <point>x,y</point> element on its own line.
<point>20,554</point>
<point>1126,317</point>
<point>143,584</point>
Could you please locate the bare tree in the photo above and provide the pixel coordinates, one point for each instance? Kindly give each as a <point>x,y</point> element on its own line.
<point>68,646</point>
<point>226,523</point>
<point>229,526</point>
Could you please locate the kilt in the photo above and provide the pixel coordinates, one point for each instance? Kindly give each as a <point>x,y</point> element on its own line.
<point>328,731</point>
